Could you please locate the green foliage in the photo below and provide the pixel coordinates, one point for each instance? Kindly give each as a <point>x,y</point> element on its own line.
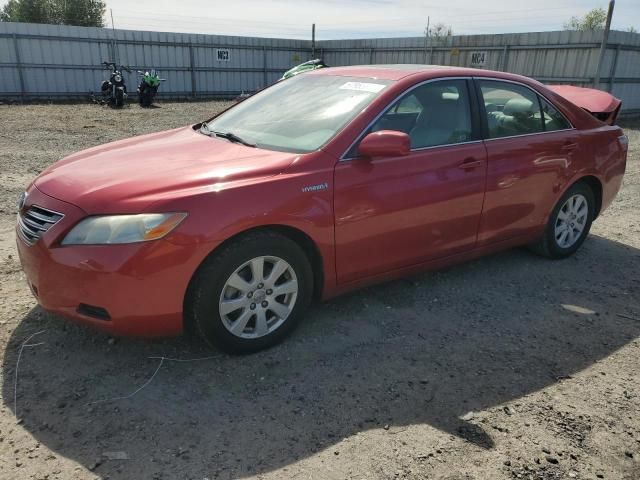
<point>83,13</point>
<point>595,19</point>
<point>439,31</point>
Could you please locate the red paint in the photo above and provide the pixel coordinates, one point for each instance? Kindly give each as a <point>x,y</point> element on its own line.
<point>380,217</point>
<point>385,143</point>
<point>592,100</point>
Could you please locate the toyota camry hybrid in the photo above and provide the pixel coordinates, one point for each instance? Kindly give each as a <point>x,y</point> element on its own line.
<point>319,184</point>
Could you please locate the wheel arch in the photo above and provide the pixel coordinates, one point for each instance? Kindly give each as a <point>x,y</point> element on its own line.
<point>596,187</point>
<point>295,234</point>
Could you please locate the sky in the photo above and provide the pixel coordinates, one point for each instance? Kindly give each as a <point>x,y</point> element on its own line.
<point>337,19</point>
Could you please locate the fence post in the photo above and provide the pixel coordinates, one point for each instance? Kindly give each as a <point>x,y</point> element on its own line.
<point>264,66</point>
<point>614,67</point>
<point>603,45</point>
<point>192,71</point>
<point>505,58</point>
<point>371,56</point>
<point>19,67</point>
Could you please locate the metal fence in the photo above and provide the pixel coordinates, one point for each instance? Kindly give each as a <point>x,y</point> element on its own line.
<point>57,61</point>
<point>550,57</point>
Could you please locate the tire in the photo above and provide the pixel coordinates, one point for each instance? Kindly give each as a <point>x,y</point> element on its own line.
<point>210,292</point>
<point>552,246</point>
<point>119,98</point>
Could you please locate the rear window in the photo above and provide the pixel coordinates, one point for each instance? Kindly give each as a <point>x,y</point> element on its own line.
<point>553,119</point>
<point>511,109</point>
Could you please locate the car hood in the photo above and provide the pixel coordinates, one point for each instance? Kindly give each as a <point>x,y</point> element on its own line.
<point>129,175</point>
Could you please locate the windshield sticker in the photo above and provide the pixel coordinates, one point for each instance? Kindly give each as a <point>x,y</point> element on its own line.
<point>362,87</point>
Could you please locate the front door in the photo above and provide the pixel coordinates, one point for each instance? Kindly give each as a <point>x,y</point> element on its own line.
<point>394,212</point>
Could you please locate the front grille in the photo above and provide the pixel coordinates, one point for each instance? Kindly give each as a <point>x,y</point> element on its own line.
<point>34,221</point>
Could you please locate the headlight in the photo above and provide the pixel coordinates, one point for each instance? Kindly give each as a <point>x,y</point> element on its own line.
<point>123,228</point>
<point>117,78</point>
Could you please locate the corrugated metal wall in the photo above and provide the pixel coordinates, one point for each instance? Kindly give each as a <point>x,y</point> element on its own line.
<point>551,57</point>
<point>49,61</point>
<point>62,61</point>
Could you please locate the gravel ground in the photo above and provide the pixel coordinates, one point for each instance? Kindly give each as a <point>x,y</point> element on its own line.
<point>509,367</point>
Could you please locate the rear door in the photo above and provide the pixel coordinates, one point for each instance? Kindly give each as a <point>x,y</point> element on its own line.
<point>394,212</point>
<point>530,147</point>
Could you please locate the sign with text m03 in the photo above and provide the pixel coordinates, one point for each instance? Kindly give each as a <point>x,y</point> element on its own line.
<point>478,59</point>
<point>223,54</point>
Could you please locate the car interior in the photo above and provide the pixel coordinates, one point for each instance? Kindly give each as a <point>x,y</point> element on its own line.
<point>434,114</point>
<point>438,113</point>
<point>516,110</point>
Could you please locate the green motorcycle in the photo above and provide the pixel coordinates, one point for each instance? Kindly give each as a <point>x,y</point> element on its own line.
<point>148,87</point>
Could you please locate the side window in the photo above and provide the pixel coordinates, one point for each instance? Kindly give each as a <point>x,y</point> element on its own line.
<point>553,119</point>
<point>511,109</point>
<point>436,113</point>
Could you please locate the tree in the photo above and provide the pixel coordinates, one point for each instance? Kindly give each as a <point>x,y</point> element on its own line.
<point>33,11</point>
<point>632,29</point>
<point>439,31</point>
<point>595,19</point>
<point>83,13</point>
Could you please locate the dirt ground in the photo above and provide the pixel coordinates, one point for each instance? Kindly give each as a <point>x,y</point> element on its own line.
<point>509,367</point>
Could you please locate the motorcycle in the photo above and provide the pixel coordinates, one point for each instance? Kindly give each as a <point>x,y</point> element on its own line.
<point>304,67</point>
<point>114,90</point>
<point>148,87</point>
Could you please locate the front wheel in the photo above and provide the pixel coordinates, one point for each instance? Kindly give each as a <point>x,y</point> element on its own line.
<point>251,294</point>
<point>119,97</point>
<point>569,223</point>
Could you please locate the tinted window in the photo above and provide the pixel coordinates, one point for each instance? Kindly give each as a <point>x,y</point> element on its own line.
<point>553,119</point>
<point>436,113</point>
<point>511,109</point>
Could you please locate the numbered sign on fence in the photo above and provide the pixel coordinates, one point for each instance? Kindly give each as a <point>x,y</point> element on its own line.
<point>223,54</point>
<point>478,59</point>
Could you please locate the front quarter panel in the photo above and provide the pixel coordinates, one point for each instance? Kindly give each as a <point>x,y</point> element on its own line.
<point>300,198</point>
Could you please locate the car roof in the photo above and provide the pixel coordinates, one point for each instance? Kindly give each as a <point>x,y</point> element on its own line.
<point>400,71</point>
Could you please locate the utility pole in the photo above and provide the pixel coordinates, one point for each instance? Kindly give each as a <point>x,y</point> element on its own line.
<point>603,45</point>
<point>313,41</point>
<point>426,41</point>
<point>115,42</point>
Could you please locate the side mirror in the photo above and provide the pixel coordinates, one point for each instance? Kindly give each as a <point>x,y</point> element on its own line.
<point>385,143</point>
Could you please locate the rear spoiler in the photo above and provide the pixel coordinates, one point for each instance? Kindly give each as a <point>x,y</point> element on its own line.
<point>602,105</point>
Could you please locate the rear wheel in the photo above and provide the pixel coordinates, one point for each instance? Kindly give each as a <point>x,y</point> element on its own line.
<point>568,224</point>
<point>251,294</point>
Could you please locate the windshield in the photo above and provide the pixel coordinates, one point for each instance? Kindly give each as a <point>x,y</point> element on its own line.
<point>299,114</point>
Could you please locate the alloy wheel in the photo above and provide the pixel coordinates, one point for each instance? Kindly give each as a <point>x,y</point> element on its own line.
<point>571,220</point>
<point>258,297</point>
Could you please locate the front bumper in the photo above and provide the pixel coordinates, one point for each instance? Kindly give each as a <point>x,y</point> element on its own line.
<point>141,286</point>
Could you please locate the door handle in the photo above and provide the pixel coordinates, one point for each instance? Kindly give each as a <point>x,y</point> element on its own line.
<point>568,147</point>
<point>469,163</point>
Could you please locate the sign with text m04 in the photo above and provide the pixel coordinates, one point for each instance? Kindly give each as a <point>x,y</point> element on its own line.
<point>478,59</point>
<point>223,54</point>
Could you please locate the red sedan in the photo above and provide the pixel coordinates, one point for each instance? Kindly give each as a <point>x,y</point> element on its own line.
<point>317,185</point>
